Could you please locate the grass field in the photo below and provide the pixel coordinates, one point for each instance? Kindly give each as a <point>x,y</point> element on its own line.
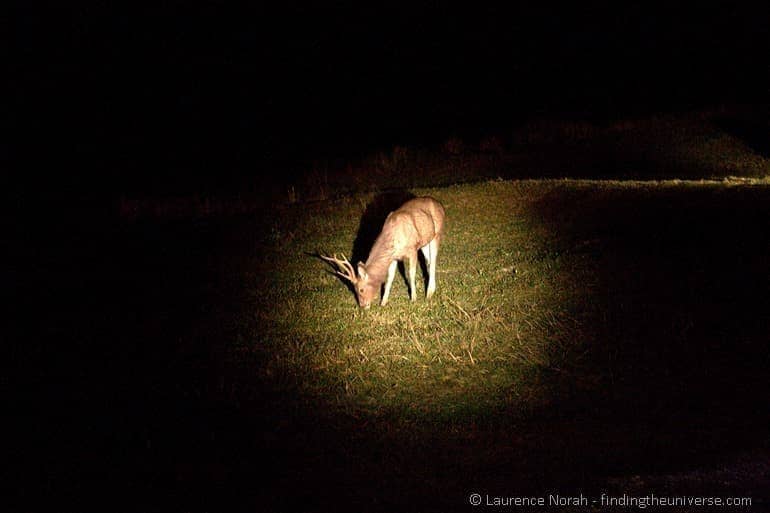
<point>586,336</point>
<point>621,325</point>
<point>511,309</point>
<point>537,277</point>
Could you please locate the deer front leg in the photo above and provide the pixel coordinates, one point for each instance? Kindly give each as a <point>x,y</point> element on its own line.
<point>412,272</point>
<point>388,282</point>
<point>429,251</point>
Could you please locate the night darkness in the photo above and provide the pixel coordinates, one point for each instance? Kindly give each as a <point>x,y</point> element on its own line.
<point>124,380</point>
<point>157,97</point>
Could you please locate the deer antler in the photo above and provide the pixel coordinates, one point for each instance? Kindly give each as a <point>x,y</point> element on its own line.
<point>349,273</point>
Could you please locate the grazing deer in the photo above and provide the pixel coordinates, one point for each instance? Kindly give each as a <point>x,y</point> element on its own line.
<point>417,224</point>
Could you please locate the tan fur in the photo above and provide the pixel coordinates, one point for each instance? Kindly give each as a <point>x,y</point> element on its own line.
<point>417,225</point>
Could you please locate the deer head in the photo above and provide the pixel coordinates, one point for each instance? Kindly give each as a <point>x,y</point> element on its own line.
<point>365,289</point>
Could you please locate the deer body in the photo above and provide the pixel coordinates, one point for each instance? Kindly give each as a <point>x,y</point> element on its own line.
<point>418,225</point>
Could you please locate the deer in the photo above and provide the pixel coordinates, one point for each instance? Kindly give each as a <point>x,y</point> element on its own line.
<point>416,225</point>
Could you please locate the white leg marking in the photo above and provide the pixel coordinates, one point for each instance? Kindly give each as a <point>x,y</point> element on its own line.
<point>389,281</point>
<point>433,250</point>
<point>412,271</point>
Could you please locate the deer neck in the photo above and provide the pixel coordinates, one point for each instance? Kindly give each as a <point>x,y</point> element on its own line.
<point>380,258</point>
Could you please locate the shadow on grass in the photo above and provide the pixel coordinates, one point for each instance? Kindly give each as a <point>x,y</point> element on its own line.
<point>679,321</point>
<point>146,387</point>
<point>369,228</point>
<point>115,389</point>
<point>373,219</point>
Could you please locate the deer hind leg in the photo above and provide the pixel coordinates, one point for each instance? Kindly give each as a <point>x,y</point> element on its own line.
<point>429,251</point>
<point>411,265</point>
<point>389,281</point>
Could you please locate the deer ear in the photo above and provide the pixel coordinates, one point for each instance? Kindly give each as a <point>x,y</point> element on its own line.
<point>361,270</point>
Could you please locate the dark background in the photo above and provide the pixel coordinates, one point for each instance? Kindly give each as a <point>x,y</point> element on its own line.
<point>111,381</point>
<point>168,97</point>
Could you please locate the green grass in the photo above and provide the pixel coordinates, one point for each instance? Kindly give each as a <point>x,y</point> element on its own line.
<point>585,336</point>
<point>474,346</point>
<point>526,315</point>
<point>584,332</point>
<point>599,335</point>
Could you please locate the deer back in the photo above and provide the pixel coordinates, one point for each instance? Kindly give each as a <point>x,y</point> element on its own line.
<point>414,225</point>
